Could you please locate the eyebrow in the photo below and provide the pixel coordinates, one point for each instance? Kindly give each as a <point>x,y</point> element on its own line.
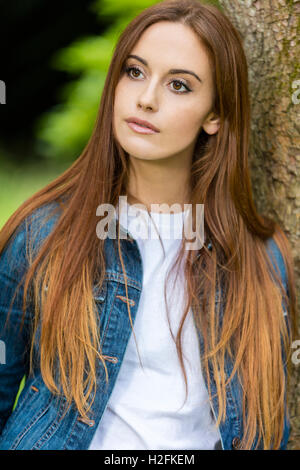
<point>171,71</point>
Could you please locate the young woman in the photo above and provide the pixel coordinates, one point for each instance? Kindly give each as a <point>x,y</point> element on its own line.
<point>70,297</point>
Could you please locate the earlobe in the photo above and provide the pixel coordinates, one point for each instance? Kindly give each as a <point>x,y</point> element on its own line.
<point>211,124</point>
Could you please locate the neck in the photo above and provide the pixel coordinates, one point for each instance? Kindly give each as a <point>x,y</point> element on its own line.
<point>159,182</point>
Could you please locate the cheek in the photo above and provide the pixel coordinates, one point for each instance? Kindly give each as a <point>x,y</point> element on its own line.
<point>121,98</point>
<point>117,104</point>
<point>185,123</point>
<point>120,109</point>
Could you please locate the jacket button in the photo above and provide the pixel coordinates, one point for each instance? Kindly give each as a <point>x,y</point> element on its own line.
<point>236,443</point>
<point>89,422</point>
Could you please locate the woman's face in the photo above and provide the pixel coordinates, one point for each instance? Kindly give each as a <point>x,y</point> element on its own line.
<point>178,104</point>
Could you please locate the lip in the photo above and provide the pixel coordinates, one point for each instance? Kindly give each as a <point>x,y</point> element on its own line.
<point>139,129</point>
<point>142,123</point>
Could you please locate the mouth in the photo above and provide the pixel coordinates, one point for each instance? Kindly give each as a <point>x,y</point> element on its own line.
<point>140,129</point>
<point>141,126</point>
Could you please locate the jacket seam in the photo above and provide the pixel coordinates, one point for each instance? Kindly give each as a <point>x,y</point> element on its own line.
<point>109,317</point>
<point>71,432</point>
<point>119,278</point>
<point>50,431</point>
<point>31,423</point>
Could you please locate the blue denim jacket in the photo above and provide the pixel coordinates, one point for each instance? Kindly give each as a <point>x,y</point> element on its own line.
<point>37,422</point>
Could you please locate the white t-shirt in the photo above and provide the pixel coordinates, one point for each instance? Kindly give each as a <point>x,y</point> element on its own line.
<point>145,408</point>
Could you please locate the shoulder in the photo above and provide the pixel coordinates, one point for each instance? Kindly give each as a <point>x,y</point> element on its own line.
<point>40,223</point>
<point>31,232</point>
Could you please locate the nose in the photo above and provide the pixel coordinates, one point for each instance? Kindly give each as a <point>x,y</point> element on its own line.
<point>148,98</point>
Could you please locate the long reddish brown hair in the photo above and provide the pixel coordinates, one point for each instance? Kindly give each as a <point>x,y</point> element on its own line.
<point>72,256</point>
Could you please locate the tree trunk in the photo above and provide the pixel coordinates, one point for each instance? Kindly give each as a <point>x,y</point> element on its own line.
<point>269,32</point>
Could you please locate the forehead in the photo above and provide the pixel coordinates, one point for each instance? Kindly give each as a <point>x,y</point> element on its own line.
<point>168,45</point>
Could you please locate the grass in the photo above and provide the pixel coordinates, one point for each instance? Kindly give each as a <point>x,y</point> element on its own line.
<point>19,182</point>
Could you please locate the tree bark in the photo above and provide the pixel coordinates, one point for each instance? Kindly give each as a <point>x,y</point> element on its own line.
<point>269,32</point>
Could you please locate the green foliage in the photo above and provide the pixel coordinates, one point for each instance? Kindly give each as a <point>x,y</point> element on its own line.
<point>63,131</point>
<point>106,8</point>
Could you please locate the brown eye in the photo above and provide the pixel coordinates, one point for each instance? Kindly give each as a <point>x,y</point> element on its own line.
<point>179,84</point>
<point>130,70</point>
<point>135,71</point>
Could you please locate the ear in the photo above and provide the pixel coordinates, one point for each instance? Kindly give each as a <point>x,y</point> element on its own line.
<point>211,124</point>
